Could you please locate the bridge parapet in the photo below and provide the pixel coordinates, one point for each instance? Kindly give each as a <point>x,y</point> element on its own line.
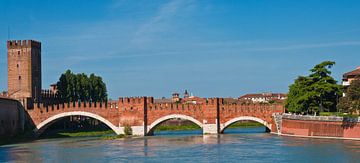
<point>72,105</point>
<point>214,101</point>
<point>171,106</point>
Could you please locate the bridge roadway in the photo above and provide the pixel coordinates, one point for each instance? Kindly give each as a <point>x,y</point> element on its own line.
<point>143,115</point>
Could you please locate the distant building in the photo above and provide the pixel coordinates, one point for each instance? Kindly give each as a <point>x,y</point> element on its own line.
<point>263,97</point>
<point>176,97</point>
<point>350,76</point>
<point>53,88</point>
<point>194,100</point>
<point>188,99</point>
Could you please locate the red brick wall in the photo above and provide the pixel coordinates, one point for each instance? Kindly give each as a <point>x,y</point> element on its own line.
<point>320,128</point>
<point>156,111</point>
<point>261,111</point>
<point>41,113</point>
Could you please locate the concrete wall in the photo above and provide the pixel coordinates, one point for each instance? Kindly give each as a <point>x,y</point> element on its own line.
<point>320,126</point>
<point>11,117</point>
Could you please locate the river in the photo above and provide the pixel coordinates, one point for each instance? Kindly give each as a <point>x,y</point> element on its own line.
<point>236,145</point>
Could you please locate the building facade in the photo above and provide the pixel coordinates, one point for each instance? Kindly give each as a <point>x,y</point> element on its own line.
<point>350,76</point>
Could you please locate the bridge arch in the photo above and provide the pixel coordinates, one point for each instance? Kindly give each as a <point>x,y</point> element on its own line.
<point>245,118</point>
<point>41,127</point>
<point>157,122</point>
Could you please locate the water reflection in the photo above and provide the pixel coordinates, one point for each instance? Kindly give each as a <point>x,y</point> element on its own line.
<point>235,147</point>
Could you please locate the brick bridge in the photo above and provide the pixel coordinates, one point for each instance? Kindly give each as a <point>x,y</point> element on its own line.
<point>143,115</point>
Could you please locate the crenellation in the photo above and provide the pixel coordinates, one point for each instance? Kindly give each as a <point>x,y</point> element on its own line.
<point>14,44</point>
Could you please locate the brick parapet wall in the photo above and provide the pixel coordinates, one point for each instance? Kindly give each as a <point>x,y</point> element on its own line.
<point>320,126</point>
<point>43,111</point>
<point>262,111</point>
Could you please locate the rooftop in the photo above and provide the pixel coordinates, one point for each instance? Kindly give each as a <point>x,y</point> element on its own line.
<point>263,95</point>
<point>355,72</point>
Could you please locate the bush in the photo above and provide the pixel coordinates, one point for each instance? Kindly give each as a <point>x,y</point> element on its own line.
<point>127,130</point>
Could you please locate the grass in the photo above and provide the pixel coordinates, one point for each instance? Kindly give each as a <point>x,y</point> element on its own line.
<point>77,133</point>
<point>177,127</point>
<point>196,127</point>
<point>245,125</point>
<point>86,133</point>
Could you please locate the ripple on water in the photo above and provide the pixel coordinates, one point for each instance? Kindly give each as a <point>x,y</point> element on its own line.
<point>231,147</point>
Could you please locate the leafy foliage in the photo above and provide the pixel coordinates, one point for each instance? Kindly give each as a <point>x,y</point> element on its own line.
<point>80,87</point>
<point>314,93</point>
<point>351,102</point>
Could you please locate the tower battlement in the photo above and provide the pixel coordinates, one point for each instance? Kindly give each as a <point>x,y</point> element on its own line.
<point>17,44</point>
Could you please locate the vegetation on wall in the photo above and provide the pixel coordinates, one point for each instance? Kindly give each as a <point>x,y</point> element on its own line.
<point>80,87</point>
<point>314,93</point>
<point>351,102</point>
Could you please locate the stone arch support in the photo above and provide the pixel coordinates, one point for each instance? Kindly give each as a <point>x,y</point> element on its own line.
<point>153,125</point>
<point>44,124</point>
<point>244,118</point>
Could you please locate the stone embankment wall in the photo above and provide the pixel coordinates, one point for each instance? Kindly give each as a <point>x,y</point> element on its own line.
<point>12,118</point>
<point>320,126</point>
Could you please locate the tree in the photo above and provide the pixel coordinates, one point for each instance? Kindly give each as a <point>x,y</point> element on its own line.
<point>351,102</point>
<point>314,93</point>
<point>79,87</point>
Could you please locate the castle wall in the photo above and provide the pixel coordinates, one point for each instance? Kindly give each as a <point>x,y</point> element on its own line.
<point>11,117</point>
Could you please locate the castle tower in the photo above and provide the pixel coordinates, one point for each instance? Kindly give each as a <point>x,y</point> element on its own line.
<point>24,69</point>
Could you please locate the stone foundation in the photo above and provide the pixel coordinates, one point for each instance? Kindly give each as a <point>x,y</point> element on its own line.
<point>210,129</point>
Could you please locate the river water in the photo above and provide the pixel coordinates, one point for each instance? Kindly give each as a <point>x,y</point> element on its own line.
<point>236,145</point>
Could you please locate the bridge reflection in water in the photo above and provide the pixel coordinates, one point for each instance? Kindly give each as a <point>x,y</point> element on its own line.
<point>254,147</point>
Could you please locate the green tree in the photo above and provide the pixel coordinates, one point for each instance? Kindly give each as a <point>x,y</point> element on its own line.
<point>80,87</point>
<point>314,93</point>
<point>351,102</point>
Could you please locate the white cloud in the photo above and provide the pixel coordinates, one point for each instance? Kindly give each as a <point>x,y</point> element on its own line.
<point>160,22</point>
<point>306,46</point>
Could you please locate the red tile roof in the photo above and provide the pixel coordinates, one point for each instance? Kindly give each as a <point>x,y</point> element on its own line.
<point>355,72</point>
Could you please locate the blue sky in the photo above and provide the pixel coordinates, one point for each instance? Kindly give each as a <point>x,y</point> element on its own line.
<point>212,48</point>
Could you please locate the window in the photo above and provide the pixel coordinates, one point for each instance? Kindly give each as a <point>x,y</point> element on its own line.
<point>19,77</point>
<point>17,65</point>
